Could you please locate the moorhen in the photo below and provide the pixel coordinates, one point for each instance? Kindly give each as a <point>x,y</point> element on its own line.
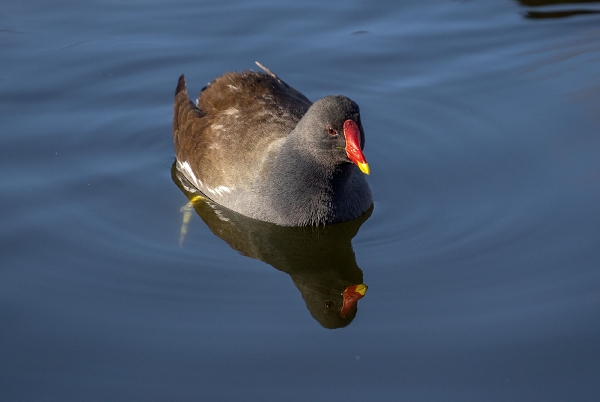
<point>253,144</point>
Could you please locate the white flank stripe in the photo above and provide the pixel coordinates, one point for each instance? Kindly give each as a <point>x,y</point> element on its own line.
<point>187,170</point>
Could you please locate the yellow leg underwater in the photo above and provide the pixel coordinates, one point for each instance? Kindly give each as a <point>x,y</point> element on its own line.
<point>188,210</point>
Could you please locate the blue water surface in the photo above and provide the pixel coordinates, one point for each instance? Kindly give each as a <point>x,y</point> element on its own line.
<point>481,254</point>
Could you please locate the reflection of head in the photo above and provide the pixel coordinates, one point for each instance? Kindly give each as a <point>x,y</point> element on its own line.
<point>325,303</point>
<point>320,260</point>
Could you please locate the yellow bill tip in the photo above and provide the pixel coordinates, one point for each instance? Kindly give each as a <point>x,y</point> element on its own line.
<point>361,289</point>
<point>364,167</point>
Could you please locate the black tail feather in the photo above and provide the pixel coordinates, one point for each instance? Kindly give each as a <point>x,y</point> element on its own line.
<point>181,85</point>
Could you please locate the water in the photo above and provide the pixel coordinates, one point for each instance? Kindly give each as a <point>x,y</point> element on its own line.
<point>481,253</point>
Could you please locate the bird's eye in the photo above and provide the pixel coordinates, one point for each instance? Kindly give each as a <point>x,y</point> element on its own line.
<point>329,304</point>
<point>331,130</point>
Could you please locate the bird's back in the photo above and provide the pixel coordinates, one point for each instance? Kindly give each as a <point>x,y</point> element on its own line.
<point>237,118</point>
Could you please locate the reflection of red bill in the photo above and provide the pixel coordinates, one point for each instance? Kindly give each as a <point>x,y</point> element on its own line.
<point>352,294</point>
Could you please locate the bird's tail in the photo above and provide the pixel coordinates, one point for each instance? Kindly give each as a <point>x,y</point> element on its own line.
<point>184,109</point>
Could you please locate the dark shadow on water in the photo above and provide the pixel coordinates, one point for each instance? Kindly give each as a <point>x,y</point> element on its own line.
<point>541,3</point>
<point>548,8</point>
<point>558,14</point>
<point>320,260</point>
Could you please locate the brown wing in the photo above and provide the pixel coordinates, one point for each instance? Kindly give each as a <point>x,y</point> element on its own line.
<point>226,138</point>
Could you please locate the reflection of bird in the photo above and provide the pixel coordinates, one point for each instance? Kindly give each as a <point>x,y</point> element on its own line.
<point>259,147</point>
<point>320,260</point>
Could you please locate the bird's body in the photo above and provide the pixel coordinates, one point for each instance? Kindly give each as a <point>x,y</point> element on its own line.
<point>262,149</point>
